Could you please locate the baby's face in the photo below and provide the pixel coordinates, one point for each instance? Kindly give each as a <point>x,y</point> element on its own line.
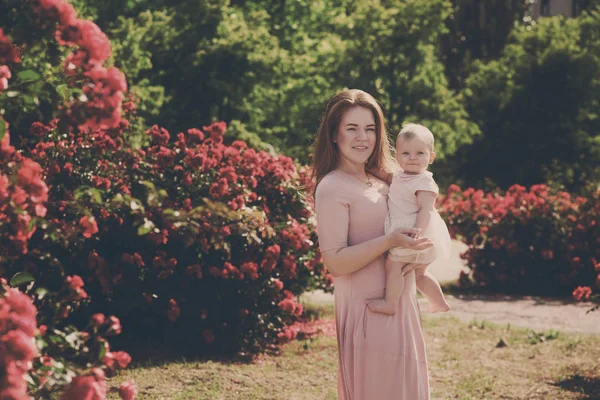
<point>413,155</point>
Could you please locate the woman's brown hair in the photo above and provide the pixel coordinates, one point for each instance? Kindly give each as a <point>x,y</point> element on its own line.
<point>326,154</point>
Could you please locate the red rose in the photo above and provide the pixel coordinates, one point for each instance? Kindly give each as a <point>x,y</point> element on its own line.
<point>89,226</point>
<point>115,324</point>
<point>582,292</point>
<point>19,345</point>
<point>173,311</point>
<point>128,390</point>
<point>208,336</point>
<point>98,319</point>
<point>85,387</point>
<point>277,284</point>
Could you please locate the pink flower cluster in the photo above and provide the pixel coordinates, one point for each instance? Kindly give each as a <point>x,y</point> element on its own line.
<point>262,209</point>
<point>8,54</point>
<point>17,341</point>
<point>527,239</point>
<point>99,107</point>
<point>23,193</point>
<point>91,385</point>
<point>215,216</point>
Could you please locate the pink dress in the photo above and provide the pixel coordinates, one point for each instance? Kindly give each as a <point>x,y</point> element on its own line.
<point>381,356</point>
<point>402,212</point>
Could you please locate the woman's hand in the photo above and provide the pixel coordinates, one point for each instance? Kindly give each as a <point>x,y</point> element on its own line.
<point>409,238</point>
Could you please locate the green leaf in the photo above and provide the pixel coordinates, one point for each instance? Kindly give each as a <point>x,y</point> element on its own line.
<point>147,227</point>
<point>20,278</point>
<point>80,192</point>
<point>28,75</point>
<point>102,351</point>
<point>30,100</point>
<point>96,195</point>
<point>41,293</point>
<point>2,128</point>
<point>149,185</point>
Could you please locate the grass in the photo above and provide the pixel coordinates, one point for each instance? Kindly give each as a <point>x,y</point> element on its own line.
<point>478,360</point>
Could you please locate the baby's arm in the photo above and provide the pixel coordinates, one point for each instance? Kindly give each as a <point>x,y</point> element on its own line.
<point>426,203</point>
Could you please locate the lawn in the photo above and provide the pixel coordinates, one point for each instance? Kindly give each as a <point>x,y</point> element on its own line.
<point>478,360</point>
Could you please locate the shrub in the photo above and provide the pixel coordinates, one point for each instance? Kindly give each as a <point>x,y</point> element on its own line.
<point>536,241</point>
<point>194,234</point>
<point>188,235</point>
<point>56,356</point>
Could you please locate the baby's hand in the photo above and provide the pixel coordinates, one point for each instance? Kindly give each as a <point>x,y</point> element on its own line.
<point>414,235</point>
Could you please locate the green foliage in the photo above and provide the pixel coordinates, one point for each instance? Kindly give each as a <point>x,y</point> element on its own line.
<point>272,66</point>
<point>393,54</point>
<point>36,85</point>
<point>537,106</point>
<point>478,30</point>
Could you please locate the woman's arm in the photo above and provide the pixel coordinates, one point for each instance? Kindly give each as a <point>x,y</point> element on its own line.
<point>333,220</point>
<point>349,259</point>
<point>426,203</point>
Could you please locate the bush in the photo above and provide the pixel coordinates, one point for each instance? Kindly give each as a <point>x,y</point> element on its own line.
<point>196,234</point>
<point>187,235</point>
<point>536,241</point>
<point>542,92</point>
<point>56,357</point>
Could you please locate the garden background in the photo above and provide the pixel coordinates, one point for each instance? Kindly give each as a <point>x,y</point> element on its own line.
<point>154,166</point>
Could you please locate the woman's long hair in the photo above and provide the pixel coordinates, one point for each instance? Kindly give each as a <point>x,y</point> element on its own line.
<point>326,154</point>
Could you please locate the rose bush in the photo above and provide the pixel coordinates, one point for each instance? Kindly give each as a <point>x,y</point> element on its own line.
<point>55,356</point>
<point>532,241</point>
<point>196,238</point>
<point>191,235</point>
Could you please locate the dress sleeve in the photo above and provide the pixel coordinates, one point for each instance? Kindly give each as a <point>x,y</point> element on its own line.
<point>333,215</point>
<point>426,183</point>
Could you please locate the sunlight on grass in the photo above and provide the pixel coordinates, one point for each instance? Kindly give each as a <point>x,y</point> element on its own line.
<point>466,361</point>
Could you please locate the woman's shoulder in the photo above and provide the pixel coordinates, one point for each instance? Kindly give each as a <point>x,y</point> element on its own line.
<point>335,187</point>
<point>330,182</point>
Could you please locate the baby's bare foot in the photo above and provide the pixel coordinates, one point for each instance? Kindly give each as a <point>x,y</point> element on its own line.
<point>381,306</point>
<point>434,308</point>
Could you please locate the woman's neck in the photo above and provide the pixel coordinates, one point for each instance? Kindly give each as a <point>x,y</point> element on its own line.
<point>352,168</point>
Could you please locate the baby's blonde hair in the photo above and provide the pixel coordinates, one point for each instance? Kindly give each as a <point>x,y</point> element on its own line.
<point>410,131</point>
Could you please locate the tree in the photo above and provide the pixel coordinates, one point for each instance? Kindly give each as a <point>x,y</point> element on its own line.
<point>393,53</point>
<point>537,107</point>
<point>267,68</point>
<point>478,30</point>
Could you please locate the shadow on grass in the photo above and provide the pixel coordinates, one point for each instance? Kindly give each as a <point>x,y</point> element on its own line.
<point>584,385</point>
<point>157,347</point>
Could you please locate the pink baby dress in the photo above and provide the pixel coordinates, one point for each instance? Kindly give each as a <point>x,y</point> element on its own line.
<point>403,209</point>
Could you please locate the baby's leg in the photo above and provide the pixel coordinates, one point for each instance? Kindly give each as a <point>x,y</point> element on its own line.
<point>431,289</point>
<point>394,283</point>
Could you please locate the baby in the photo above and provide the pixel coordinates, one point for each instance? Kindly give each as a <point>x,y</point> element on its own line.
<point>411,203</point>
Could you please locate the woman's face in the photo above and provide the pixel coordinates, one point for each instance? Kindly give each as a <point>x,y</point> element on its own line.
<point>356,136</point>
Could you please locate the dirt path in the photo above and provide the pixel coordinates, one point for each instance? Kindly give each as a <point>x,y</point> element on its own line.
<point>536,313</point>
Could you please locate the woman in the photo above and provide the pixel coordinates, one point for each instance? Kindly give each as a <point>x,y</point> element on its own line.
<point>380,357</point>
